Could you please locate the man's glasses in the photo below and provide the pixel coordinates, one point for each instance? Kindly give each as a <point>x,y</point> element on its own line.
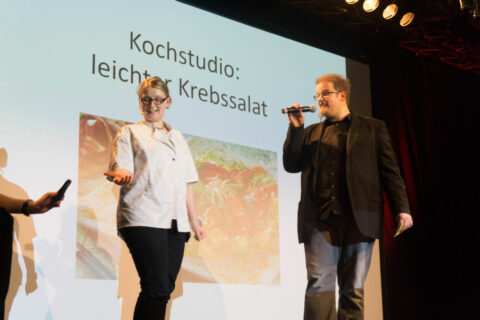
<point>157,101</point>
<point>325,94</point>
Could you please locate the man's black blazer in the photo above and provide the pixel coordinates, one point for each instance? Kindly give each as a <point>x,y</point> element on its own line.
<point>370,167</point>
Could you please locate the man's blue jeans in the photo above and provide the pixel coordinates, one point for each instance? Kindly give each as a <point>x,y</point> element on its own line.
<point>336,250</point>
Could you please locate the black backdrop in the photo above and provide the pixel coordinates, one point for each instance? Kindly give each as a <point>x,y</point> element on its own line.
<point>432,112</point>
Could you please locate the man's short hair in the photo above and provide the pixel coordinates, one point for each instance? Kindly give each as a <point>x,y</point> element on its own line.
<point>339,83</point>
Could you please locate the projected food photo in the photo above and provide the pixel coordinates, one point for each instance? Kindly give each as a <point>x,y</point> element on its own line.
<point>236,198</point>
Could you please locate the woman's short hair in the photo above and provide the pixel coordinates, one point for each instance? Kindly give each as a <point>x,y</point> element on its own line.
<point>339,83</point>
<point>153,82</point>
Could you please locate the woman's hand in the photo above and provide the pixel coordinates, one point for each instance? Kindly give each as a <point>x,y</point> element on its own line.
<point>198,230</point>
<point>195,222</point>
<point>119,176</point>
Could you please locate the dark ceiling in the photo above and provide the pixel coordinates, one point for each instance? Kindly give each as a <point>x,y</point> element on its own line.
<point>440,29</point>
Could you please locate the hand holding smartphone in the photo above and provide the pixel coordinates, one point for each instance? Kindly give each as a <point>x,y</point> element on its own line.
<point>61,191</point>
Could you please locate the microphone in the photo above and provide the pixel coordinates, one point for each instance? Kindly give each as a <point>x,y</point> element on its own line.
<point>310,108</point>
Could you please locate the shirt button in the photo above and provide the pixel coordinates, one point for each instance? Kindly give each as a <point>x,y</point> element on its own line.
<point>173,159</point>
<point>333,197</point>
<point>333,173</point>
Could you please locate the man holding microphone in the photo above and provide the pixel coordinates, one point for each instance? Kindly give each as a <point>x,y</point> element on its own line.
<point>345,162</point>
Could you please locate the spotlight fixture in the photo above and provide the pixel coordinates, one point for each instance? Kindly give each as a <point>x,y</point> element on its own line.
<point>390,11</point>
<point>370,5</point>
<point>406,19</point>
<point>393,10</point>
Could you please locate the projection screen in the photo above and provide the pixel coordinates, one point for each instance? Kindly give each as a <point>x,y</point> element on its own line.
<point>68,78</point>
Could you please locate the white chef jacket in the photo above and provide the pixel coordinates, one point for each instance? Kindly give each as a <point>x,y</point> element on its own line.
<point>161,166</point>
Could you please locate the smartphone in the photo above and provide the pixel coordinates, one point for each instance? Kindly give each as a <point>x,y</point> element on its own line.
<point>62,190</point>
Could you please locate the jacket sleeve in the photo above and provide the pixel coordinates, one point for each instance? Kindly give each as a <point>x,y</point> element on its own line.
<point>293,149</point>
<point>391,179</point>
<point>122,152</point>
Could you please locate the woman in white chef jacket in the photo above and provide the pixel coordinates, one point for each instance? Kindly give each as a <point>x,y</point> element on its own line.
<point>156,209</point>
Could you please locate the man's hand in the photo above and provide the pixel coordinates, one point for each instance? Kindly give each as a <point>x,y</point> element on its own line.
<point>45,203</point>
<point>404,222</point>
<point>119,176</point>
<point>297,119</point>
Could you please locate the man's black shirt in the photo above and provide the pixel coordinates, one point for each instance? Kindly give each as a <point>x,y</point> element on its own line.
<point>331,186</point>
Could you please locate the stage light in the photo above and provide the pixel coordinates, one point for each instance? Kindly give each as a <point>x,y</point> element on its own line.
<point>407,18</point>
<point>370,5</point>
<point>351,1</point>
<point>476,9</point>
<point>390,11</point>
<point>465,4</point>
